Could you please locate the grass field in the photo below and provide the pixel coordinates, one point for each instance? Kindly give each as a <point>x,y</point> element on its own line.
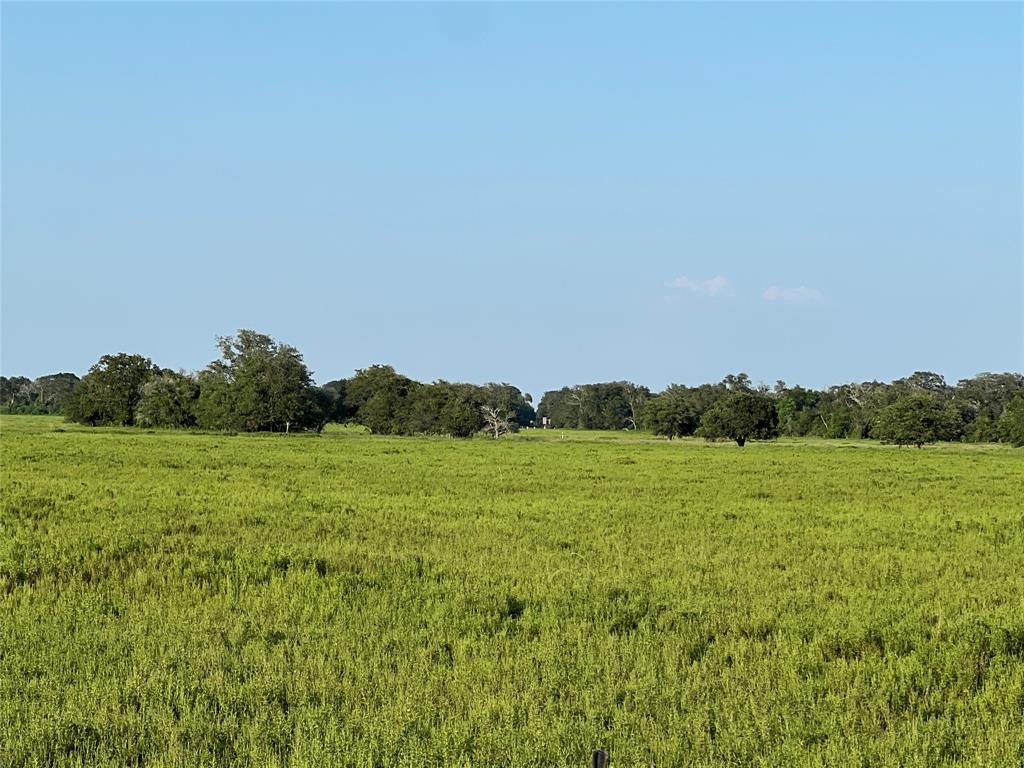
<point>174,599</point>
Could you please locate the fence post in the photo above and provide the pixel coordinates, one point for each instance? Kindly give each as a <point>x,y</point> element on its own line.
<point>599,759</point>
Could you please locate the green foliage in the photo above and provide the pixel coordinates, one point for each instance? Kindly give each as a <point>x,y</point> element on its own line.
<point>459,416</point>
<point>443,408</point>
<point>261,385</point>
<point>914,419</point>
<point>985,396</point>
<point>673,413</point>
<point>54,389</point>
<point>610,405</point>
<point>14,391</point>
<point>323,405</point>
<point>391,404</point>
<point>46,394</point>
<point>257,385</point>
<point>1011,423</point>
<point>182,599</point>
<point>168,400</point>
<point>377,397</point>
<point>341,411</point>
<point>799,414</point>
<point>983,429</point>
<point>216,407</point>
<point>924,381</point>
<point>507,399</point>
<point>741,416</point>
<point>110,392</point>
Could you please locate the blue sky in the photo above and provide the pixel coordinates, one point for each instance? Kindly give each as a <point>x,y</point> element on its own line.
<point>545,194</point>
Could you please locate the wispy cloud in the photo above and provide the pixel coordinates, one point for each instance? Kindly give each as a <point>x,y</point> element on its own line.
<point>707,287</point>
<point>801,295</point>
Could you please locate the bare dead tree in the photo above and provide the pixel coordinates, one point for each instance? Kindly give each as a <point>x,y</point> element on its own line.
<point>636,396</point>
<point>858,394</point>
<point>577,396</point>
<point>496,421</point>
<point>855,394</point>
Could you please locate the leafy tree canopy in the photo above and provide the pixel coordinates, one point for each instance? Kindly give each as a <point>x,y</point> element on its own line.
<point>673,413</point>
<point>111,390</point>
<point>257,385</point>
<point>913,419</point>
<point>1011,423</point>
<point>168,400</point>
<point>741,416</point>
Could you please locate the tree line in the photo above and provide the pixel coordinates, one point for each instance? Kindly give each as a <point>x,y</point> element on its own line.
<point>259,384</point>
<point>20,394</point>
<point>915,410</point>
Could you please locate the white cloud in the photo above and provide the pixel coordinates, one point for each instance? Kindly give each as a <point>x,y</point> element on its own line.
<point>707,287</point>
<point>800,295</point>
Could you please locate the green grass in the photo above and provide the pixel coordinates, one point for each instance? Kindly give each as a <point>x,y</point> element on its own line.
<point>182,599</point>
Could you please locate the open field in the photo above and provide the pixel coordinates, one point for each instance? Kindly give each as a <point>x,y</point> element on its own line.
<point>177,599</point>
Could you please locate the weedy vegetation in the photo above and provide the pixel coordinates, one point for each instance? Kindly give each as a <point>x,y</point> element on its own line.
<point>189,599</point>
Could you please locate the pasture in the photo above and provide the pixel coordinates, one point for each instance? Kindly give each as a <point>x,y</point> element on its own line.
<point>185,599</point>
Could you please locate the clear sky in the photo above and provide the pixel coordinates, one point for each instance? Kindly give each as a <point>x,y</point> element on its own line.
<point>536,193</point>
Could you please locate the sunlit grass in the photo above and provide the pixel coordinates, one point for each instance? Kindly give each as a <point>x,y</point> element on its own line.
<point>174,598</point>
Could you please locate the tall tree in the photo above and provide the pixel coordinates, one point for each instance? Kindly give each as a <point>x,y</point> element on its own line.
<point>258,384</point>
<point>673,413</point>
<point>323,404</point>
<point>1011,423</point>
<point>111,390</point>
<point>460,416</point>
<point>915,418</point>
<point>52,391</point>
<point>15,391</point>
<point>377,398</point>
<point>798,411</point>
<point>925,381</point>
<point>741,415</point>
<point>168,400</point>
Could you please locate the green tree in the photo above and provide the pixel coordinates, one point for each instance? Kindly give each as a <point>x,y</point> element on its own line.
<point>915,418</point>
<point>460,416</point>
<point>605,405</point>
<point>377,396</point>
<point>110,391</point>
<point>798,411</point>
<point>1011,423</point>
<point>52,391</point>
<point>168,400</point>
<point>982,399</point>
<point>737,382</point>
<point>672,413</point>
<point>323,405</point>
<point>419,409</point>
<point>559,407</point>
<point>215,407</point>
<point>849,410</point>
<point>741,415</point>
<point>924,381</point>
<point>447,408</point>
<point>15,391</point>
<point>341,411</point>
<point>258,384</point>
